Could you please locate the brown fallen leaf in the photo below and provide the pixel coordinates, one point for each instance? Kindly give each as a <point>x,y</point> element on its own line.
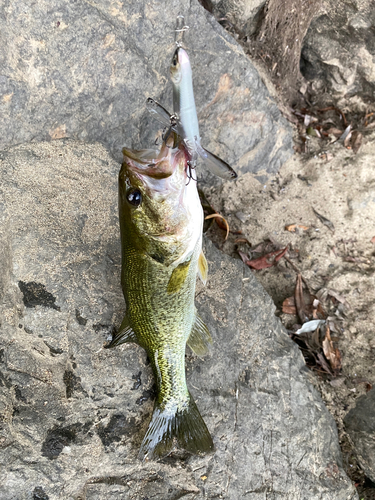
<point>300,301</point>
<point>323,363</point>
<point>243,256</point>
<point>293,227</point>
<point>335,131</point>
<point>367,117</point>
<point>330,352</point>
<point>267,260</point>
<point>242,240</point>
<point>218,216</point>
<point>347,140</point>
<point>324,220</point>
<point>356,141</point>
<point>289,306</point>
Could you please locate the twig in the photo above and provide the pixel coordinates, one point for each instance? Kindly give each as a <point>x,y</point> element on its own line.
<point>295,268</point>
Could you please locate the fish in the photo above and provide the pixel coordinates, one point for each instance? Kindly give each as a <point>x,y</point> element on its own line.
<point>161,222</point>
<point>184,119</point>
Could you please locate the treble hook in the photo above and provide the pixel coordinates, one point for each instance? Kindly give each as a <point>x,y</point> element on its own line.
<point>189,173</point>
<point>180,30</point>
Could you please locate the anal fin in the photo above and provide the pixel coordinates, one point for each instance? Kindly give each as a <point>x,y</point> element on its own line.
<point>199,339</point>
<point>124,335</point>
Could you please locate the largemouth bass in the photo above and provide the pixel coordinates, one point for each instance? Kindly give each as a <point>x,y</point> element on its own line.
<point>161,221</point>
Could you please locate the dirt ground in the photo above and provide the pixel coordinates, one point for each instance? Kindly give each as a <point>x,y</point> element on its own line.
<point>337,263</point>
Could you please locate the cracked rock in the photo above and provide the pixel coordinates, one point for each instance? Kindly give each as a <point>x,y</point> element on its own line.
<point>70,423</point>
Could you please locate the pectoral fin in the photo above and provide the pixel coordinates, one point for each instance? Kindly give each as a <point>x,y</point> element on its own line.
<point>125,334</point>
<point>200,338</point>
<point>215,164</point>
<point>178,277</point>
<point>202,268</point>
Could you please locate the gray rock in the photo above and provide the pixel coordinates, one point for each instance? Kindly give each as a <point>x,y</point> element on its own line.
<point>339,49</point>
<point>360,425</point>
<point>243,14</point>
<point>84,70</point>
<point>73,414</point>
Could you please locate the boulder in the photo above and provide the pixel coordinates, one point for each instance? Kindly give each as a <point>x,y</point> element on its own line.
<point>72,414</point>
<point>84,70</point>
<point>360,425</point>
<point>338,52</point>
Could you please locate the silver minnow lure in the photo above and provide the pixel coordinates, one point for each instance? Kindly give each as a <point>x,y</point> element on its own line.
<point>184,121</point>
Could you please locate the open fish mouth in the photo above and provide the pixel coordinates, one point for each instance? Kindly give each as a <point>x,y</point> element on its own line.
<point>160,171</point>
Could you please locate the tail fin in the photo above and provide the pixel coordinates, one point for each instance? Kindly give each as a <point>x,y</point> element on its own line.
<point>186,426</point>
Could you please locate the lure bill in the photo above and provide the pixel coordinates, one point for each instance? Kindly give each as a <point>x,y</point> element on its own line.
<point>215,164</point>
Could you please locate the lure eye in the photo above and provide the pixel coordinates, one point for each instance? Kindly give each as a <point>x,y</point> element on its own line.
<point>175,59</point>
<point>134,197</point>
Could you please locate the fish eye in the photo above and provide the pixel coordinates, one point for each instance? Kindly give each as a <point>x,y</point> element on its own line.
<point>134,197</point>
<point>175,59</point>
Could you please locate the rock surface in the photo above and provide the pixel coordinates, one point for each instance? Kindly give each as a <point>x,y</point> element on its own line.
<point>339,49</point>
<point>73,415</point>
<point>360,425</point>
<point>84,70</point>
<point>243,14</point>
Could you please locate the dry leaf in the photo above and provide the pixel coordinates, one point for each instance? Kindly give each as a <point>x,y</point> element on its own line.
<point>267,260</point>
<point>347,140</point>
<point>356,141</point>
<point>289,306</point>
<point>218,216</point>
<point>331,353</point>
<point>293,227</point>
<point>243,256</point>
<point>345,134</point>
<point>310,326</point>
<point>325,221</point>
<point>242,240</point>
<point>300,301</point>
<point>335,131</point>
<point>323,363</point>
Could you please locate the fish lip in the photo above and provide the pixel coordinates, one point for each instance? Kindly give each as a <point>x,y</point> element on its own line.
<point>158,174</point>
<point>161,165</point>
